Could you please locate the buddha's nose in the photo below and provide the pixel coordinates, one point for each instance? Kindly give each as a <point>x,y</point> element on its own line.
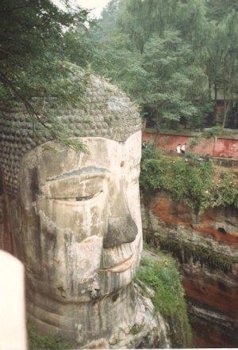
<point>121,226</point>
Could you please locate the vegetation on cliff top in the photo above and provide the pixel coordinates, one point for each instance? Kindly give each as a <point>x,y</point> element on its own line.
<point>191,180</point>
<point>198,252</point>
<point>163,277</point>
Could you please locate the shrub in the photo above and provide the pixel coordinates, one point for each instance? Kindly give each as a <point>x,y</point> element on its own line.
<point>190,180</point>
<point>163,277</point>
<point>37,341</point>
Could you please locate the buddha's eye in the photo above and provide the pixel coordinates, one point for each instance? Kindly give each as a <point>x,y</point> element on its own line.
<point>84,198</point>
<point>75,189</point>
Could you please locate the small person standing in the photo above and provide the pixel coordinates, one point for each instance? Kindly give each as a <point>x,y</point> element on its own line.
<point>183,148</point>
<point>178,148</point>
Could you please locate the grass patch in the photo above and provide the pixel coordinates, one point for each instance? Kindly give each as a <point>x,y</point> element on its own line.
<point>163,277</point>
<point>38,341</point>
<point>136,329</point>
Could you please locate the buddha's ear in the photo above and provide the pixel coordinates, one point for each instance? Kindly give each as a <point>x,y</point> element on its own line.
<point>28,185</point>
<point>34,183</point>
<point>27,171</point>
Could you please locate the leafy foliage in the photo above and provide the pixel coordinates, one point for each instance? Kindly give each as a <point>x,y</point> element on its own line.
<point>38,341</point>
<point>33,59</point>
<point>163,277</point>
<point>31,47</point>
<point>225,192</point>
<point>172,56</point>
<point>190,180</point>
<point>172,81</point>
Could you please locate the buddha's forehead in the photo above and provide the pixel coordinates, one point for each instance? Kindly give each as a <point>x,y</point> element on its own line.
<point>53,160</point>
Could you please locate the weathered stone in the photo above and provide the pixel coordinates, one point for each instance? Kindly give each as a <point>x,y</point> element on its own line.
<point>75,222</point>
<point>18,130</point>
<point>207,249</point>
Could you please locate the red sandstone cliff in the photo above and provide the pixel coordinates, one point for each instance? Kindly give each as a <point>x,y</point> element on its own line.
<point>206,247</point>
<point>214,146</point>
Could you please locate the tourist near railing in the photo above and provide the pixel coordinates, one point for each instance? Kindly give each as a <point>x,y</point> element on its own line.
<point>222,147</point>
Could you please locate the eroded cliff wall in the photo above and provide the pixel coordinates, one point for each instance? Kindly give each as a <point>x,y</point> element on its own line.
<point>206,247</point>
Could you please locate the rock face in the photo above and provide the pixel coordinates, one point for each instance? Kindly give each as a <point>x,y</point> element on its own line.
<point>80,257</point>
<point>74,219</point>
<point>207,249</point>
<point>73,239</point>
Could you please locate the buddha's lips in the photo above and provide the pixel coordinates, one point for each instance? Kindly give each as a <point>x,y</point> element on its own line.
<point>123,266</point>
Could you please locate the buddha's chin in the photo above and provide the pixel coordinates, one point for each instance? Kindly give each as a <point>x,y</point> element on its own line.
<point>118,266</point>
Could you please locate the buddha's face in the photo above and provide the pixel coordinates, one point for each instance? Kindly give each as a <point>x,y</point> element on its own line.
<point>81,225</point>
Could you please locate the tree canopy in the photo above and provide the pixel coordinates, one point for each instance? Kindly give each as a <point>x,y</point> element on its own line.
<point>33,55</point>
<point>176,58</point>
<point>172,56</point>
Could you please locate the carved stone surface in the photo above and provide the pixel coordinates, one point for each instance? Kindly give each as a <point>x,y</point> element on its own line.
<point>106,112</point>
<point>76,224</point>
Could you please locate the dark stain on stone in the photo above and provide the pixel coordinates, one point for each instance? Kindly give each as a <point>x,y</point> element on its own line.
<point>115,297</point>
<point>37,238</point>
<point>222,286</point>
<point>1,183</point>
<point>34,183</point>
<point>221,230</point>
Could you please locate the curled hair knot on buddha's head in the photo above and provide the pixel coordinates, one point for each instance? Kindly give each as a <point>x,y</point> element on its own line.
<point>105,112</point>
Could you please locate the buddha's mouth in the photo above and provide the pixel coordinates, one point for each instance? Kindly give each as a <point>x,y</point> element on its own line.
<point>120,258</point>
<point>121,267</point>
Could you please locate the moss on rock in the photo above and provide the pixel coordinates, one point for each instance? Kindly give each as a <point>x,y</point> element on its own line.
<point>185,250</point>
<point>39,341</point>
<point>162,275</point>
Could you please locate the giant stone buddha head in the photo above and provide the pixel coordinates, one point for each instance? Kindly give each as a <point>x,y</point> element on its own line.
<point>74,216</point>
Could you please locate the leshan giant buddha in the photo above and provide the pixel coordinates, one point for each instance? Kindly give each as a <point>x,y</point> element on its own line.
<point>75,219</point>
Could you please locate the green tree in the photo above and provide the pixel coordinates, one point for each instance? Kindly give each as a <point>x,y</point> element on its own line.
<point>114,56</point>
<point>149,57</point>
<point>218,9</point>
<point>141,19</point>
<point>109,16</point>
<point>171,80</point>
<point>174,85</point>
<point>32,55</point>
<point>222,59</point>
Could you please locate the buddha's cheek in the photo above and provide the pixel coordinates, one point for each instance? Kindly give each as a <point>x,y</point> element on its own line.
<point>73,221</point>
<point>71,244</point>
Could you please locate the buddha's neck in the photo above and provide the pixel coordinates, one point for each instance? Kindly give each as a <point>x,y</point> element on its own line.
<point>84,322</point>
